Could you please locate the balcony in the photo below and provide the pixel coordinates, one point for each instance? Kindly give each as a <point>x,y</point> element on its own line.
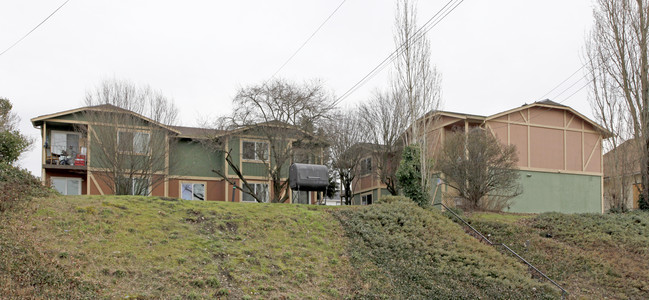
<point>66,151</point>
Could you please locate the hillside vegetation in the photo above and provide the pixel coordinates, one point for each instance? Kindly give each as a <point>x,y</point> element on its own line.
<point>115,247</point>
<point>593,256</point>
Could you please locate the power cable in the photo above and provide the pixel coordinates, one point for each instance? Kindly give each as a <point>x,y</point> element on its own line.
<point>306,41</point>
<point>443,12</point>
<point>39,24</point>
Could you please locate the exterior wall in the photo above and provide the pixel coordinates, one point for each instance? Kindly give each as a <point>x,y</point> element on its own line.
<point>190,158</point>
<point>214,189</point>
<point>549,139</point>
<point>98,184</point>
<point>631,193</point>
<point>560,192</point>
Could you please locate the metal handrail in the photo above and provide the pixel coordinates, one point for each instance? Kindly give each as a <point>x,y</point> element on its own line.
<point>564,293</point>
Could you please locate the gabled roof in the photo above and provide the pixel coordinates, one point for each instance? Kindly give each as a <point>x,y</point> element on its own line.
<point>103,107</point>
<point>553,105</point>
<point>197,132</point>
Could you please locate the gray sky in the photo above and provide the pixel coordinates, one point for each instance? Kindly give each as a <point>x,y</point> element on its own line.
<point>493,55</point>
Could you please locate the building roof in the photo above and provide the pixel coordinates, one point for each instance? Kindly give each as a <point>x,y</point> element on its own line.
<point>37,121</point>
<point>197,132</point>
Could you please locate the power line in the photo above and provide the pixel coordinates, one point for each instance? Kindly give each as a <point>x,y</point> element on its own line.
<point>307,40</point>
<point>39,24</point>
<point>443,12</point>
<point>558,85</point>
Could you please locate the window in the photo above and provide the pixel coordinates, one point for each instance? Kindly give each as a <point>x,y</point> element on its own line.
<point>255,150</point>
<point>140,187</point>
<point>366,199</point>
<point>64,141</point>
<point>301,197</point>
<point>135,142</point>
<point>260,189</point>
<point>133,186</point>
<point>366,166</point>
<point>192,191</point>
<point>67,186</point>
<point>301,157</point>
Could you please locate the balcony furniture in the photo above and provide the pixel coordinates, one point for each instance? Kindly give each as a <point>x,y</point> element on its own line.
<point>51,158</point>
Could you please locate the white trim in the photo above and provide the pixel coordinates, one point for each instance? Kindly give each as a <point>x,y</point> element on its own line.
<point>242,193</point>
<point>180,187</point>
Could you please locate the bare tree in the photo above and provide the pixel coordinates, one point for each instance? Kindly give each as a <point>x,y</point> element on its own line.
<point>384,121</point>
<point>130,140</point>
<point>416,80</point>
<point>617,52</point>
<point>610,111</point>
<point>480,168</point>
<point>345,136</point>
<point>287,117</point>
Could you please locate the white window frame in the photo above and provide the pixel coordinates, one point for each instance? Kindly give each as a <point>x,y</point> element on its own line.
<point>66,183</point>
<point>255,187</point>
<point>134,142</point>
<point>256,151</point>
<point>52,132</point>
<point>192,183</point>
<point>148,187</point>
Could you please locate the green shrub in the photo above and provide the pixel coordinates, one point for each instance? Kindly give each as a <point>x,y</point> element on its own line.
<point>643,203</point>
<point>410,177</point>
<point>18,185</point>
<point>400,251</point>
<point>393,199</point>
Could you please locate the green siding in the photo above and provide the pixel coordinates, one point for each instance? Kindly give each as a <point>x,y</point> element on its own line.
<point>235,152</point>
<point>193,159</point>
<point>253,169</point>
<point>356,199</point>
<point>566,193</point>
<point>78,116</point>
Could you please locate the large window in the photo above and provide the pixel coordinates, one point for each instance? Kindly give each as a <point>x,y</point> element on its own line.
<point>133,186</point>
<point>192,191</point>
<point>366,166</point>
<point>67,186</point>
<point>64,141</point>
<point>134,142</point>
<point>255,150</point>
<point>260,189</point>
<point>301,197</point>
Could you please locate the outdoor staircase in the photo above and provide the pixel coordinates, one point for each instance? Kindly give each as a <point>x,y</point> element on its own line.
<point>475,233</point>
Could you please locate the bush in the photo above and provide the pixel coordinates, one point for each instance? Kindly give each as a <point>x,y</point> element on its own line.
<point>410,177</point>
<point>402,251</point>
<point>643,203</point>
<point>393,199</point>
<point>18,185</point>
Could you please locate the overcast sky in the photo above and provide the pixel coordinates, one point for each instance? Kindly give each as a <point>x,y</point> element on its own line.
<point>493,55</point>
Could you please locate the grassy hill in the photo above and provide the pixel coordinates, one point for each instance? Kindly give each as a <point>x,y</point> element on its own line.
<point>593,256</point>
<point>148,248</point>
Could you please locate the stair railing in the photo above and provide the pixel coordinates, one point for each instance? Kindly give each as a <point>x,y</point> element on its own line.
<point>564,293</point>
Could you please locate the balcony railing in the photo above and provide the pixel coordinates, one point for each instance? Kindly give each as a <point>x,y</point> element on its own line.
<point>72,156</point>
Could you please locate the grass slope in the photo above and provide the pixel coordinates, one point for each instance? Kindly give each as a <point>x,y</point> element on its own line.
<point>146,247</point>
<point>403,251</point>
<point>151,248</point>
<point>593,256</point>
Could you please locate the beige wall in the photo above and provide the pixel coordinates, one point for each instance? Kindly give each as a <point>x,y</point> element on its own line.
<point>550,139</point>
